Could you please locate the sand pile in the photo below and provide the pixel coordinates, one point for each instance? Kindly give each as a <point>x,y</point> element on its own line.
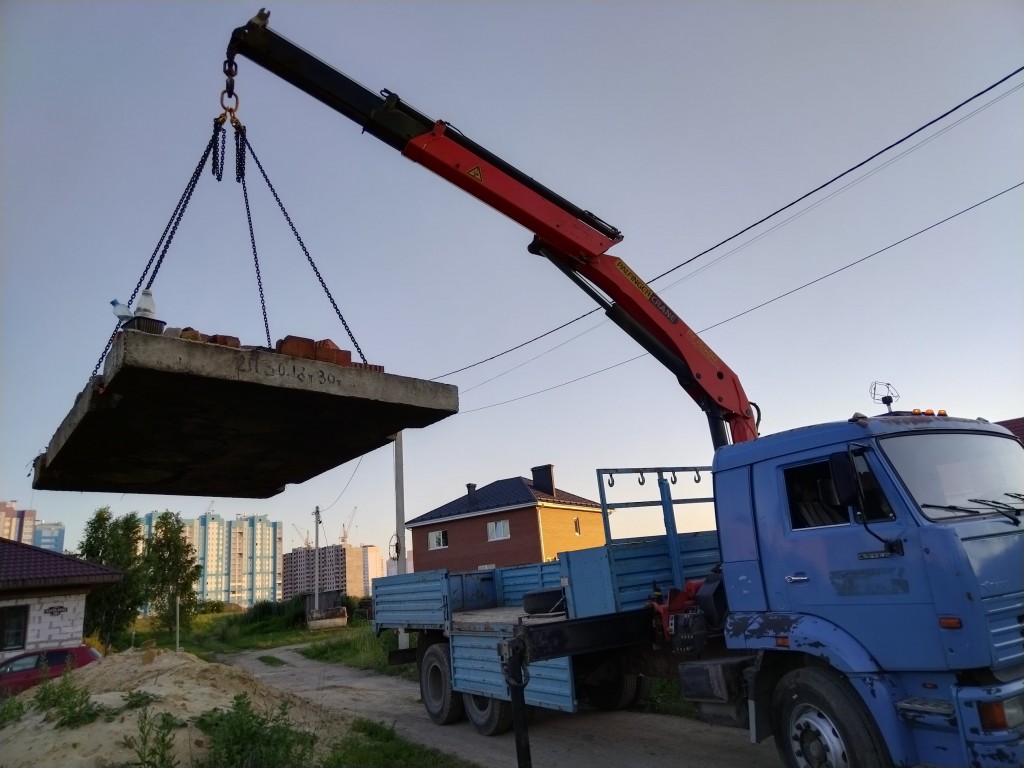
<point>185,686</point>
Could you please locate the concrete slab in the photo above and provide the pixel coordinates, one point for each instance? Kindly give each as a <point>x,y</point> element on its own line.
<point>171,416</point>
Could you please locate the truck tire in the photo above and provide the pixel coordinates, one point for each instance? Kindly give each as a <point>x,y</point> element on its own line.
<point>618,692</point>
<point>489,716</point>
<point>819,720</point>
<point>644,686</point>
<point>544,601</point>
<point>443,705</point>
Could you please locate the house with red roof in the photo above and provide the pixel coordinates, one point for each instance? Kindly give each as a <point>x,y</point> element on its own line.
<point>42,597</point>
<point>508,522</point>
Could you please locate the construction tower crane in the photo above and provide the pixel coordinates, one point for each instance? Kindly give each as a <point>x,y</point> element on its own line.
<point>347,527</point>
<point>304,536</point>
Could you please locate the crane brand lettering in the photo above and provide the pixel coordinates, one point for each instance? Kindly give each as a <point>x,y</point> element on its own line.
<point>645,289</point>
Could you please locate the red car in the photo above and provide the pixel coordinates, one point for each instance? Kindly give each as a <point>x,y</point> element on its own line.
<point>20,672</point>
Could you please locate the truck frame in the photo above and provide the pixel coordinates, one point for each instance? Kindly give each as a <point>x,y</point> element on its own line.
<point>861,598</point>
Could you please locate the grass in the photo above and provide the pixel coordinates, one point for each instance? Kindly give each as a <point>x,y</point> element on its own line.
<point>265,625</point>
<point>375,745</point>
<point>356,646</point>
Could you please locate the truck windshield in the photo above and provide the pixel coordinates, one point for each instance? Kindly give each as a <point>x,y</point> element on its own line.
<point>960,475</point>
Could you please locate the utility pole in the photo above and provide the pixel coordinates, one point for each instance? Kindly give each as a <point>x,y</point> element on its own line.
<point>403,636</point>
<point>400,502</point>
<point>316,561</point>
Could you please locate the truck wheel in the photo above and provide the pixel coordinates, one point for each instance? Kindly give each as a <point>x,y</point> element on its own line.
<point>618,692</point>
<point>644,686</point>
<point>489,716</point>
<point>442,703</point>
<point>819,722</point>
<point>544,601</point>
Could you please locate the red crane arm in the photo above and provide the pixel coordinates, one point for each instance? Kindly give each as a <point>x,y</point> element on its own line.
<point>573,239</point>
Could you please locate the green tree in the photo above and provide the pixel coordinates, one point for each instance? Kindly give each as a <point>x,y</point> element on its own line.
<point>173,572</point>
<point>115,542</point>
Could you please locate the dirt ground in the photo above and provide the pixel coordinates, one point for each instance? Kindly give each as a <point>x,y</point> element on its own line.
<point>326,698</point>
<point>557,740</point>
<point>185,686</point>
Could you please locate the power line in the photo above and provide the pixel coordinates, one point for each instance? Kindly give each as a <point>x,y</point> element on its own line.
<point>755,239</point>
<point>762,304</point>
<point>756,223</point>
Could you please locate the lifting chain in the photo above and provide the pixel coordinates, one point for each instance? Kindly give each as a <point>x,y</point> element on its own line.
<point>168,234</point>
<point>216,147</point>
<point>243,142</point>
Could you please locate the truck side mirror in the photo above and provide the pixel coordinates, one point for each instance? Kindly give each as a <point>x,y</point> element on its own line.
<point>844,478</point>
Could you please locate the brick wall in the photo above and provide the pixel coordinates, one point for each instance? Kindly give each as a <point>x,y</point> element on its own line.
<point>559,526</point>
<point>54,621</point>
<point>468,547</point>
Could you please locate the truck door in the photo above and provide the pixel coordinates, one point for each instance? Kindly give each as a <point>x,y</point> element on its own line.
<point>820,560</point>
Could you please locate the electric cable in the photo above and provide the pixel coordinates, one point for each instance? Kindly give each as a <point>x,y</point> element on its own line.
<point>756,223</point>
<point>747,243</point>
<point>759,306</point>
<point>356,469</point>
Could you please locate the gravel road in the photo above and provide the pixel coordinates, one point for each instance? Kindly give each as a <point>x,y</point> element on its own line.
<point>557,740</point>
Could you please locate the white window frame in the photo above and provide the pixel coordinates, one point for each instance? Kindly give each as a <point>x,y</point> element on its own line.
<point>437,539</point>
<point>498,530</point>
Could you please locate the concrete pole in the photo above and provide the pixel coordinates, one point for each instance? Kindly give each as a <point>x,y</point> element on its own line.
<point>400,502</point>
<point>316,561</point>
<point>403,636</point>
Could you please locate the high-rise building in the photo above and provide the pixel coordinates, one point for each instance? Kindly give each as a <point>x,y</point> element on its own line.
<point>340,569</point>
<point>17,524</point>
<point>49,536</point>
<point>391,566</point>
<point>373,567</point>
<point>241,558</point>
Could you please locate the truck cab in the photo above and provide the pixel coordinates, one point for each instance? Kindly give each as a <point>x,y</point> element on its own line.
<point>886,552</point>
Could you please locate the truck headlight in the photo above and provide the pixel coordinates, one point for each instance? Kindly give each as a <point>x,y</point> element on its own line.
<point>1002,715</point>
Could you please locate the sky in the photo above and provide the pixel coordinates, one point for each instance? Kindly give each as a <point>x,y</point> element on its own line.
<point>680,123</point>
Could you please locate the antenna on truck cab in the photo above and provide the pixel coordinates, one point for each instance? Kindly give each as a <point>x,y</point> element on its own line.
<point>885,393</point>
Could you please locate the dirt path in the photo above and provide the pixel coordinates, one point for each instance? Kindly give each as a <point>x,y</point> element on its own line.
<point>557,740</point>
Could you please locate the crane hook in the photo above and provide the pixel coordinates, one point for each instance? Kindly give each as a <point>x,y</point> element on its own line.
<point>673,481</point>
<point>641,479</point>
<point>611,481</point>
<point>696,475</point>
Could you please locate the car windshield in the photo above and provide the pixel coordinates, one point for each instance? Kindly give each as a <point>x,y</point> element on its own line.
<point>960,474</point>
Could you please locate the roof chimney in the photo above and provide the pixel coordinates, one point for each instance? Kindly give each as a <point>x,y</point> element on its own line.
<point>471,492</point>
<point>544,479</point>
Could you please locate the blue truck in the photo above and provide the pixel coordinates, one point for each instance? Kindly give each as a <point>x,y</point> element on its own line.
<point>860,599</point>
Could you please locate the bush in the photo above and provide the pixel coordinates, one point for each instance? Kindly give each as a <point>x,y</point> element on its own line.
<point>272,616</point>
<point>210,606</point>
<point>241,738</point>
<point>69,705</point>
<point>11,710</point>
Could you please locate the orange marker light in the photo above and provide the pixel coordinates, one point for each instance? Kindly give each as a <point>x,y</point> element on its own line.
<point>950,622</point>
<point>916,411</point>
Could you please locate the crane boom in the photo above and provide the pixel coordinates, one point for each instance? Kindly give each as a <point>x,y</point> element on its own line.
<point>573,239</point>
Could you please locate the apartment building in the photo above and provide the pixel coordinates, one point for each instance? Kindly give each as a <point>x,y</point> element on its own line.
<point>16,524</point>
<point>49,536</point>
<point>373,567</point>
<point>241,557</point>
<point>341,569</point>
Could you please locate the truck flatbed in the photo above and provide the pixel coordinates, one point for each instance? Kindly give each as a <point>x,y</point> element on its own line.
<point>503,619</point>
